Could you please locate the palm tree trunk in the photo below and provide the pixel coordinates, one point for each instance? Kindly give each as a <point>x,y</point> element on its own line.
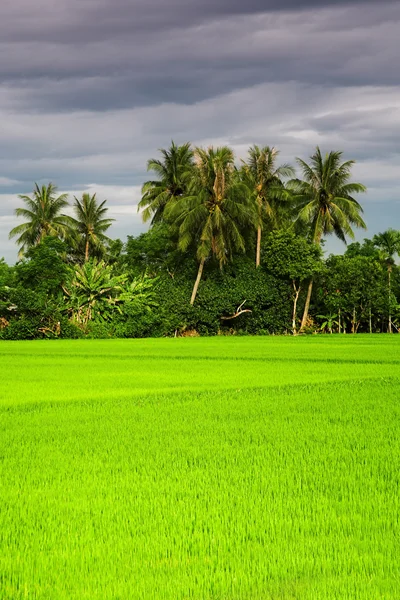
<point>340,321</point>
<point>390,293</point>
<point>87,250</point>
<point>307,305</point>
<point>258,251</point>
<point>370,319</point>
<point>317,240</point>
<point>196,283</point>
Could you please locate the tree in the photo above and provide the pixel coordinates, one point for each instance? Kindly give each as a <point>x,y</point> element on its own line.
<point>294,258</point>
<point>6,273</point>
<point>216,210</point>
<point>325,203</point>
<point>367,248</point>
<point>264,179</point>
<point>43,268</point>
<point>115,253</point>
<point>353,288</point>
<point>43,214</point>
<point>173,174</point>
<point>90,225</point>
<point>33,298</point>
<point>388,244</point>
<point>155,251</point>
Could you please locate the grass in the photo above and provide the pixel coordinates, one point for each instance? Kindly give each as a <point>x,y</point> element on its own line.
<point>220,468</point>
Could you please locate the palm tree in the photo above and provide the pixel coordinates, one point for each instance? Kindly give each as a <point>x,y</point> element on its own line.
<point>173,173</point>
<point>91,223</point>
<point>43,217</point>
<point>388,244</point>
<point>325,203</point>
<point>264,179</point>
<point>216,210</point>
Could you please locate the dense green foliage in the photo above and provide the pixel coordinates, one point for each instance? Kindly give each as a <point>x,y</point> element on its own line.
<point>194,271</point>
<point>43,295</point>
<point>271,472</point>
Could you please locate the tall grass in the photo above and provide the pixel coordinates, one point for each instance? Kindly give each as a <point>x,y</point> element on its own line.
<point>249,468</point>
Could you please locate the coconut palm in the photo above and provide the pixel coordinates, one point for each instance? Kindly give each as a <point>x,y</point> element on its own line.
<point>324,201</point>
<point>90,225</point>
<point>43,217</point>
<point>388,244</point>
<point>216,211</point>
<point>172,173</point>
<point>264,179</point>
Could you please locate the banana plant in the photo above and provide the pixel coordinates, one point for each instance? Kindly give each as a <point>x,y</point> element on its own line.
<point>93,292</point>
<point>329,322</point>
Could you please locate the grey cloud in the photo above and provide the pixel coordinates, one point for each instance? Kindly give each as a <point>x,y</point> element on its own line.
<point>334,47</point>
<point>113,147</point>
<point>77,21</point>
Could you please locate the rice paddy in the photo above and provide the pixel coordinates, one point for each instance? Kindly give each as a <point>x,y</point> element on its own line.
<point>206,468</point>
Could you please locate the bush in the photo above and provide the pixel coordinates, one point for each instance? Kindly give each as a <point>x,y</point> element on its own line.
<point>139,326</point>
<point>69,330</point>
<point>99,331</point>
<point>22,329</point>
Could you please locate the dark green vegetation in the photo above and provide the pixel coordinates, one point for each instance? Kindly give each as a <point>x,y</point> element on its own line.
<point>231,249</point>
<point>223,468</point>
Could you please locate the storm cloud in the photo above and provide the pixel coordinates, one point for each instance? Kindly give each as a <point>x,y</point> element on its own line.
<point>90,90</point>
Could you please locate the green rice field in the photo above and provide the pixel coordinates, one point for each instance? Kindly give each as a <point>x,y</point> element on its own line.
<point>205,468</point>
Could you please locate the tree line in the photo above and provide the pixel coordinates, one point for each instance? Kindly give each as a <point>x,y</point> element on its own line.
<point>230,248</point>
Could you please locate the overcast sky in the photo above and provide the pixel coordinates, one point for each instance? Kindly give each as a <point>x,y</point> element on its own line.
<point>90,89</point>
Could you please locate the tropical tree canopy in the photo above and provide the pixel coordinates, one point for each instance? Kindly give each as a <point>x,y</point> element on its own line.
<point>324,198</point>
<point>325,203</point>
<point>43,216</point>
<point>217,208</point>
<point>216,211</point>
<point>388,244</point>
<point>264,179</point>
<point>90,224</point>
<point>173,173</point>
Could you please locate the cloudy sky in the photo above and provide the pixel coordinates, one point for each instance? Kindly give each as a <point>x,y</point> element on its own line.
<point>90,89</point>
